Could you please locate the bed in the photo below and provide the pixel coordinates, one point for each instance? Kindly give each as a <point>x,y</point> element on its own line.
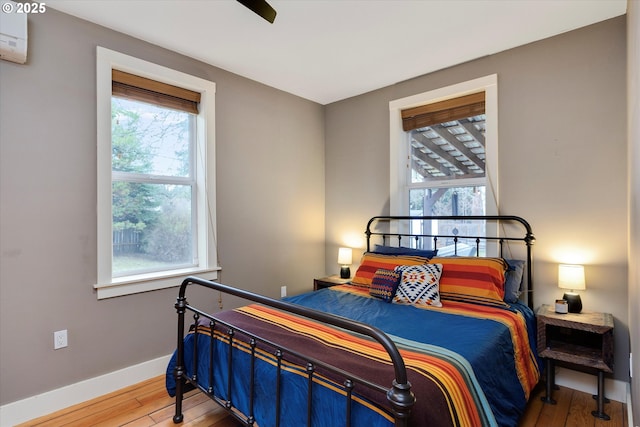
<point>415,339</point>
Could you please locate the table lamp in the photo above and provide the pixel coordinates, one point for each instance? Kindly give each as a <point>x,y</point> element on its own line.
<point>571,277</point>
<point>345,259</point>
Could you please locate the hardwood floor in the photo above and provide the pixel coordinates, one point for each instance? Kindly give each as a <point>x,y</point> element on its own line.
<point>147,404</point>
<point>572,410</point>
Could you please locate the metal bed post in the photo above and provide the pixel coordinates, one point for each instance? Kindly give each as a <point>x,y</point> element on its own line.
<point>179,371</point>
<point>529,241</point>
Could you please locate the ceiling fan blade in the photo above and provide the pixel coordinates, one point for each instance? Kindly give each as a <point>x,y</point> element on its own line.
<point>262,8</point>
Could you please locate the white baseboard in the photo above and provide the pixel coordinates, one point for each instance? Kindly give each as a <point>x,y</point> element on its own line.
<point>613,389</point>
<point>55,400</point>
<point>629,407</point>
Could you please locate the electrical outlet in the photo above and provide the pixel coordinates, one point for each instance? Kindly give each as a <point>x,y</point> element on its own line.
<point>283,291</point>
<point>60,339</point>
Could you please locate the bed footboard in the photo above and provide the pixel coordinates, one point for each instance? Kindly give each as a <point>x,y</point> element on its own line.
<point>399,395</point>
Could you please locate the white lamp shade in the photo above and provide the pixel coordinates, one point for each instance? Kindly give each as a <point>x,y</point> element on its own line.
<point>344,256</point>
<point>571,277</point>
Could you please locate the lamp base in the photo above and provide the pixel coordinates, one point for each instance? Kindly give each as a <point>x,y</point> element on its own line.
<point>345,272</point>
<point>574,302</point>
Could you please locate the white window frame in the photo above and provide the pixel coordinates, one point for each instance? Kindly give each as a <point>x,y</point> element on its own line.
<point>399,154</point>
<point>107,286</point>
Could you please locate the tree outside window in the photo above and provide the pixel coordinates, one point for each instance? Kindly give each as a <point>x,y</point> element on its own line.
<point>152,187</point>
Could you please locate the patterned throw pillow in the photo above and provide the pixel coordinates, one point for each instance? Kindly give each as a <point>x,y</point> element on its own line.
<point>384,284</point>
<point>419,284</point>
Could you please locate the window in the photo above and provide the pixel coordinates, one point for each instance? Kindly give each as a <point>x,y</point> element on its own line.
<point>156,188</point>
<point>444,156</point>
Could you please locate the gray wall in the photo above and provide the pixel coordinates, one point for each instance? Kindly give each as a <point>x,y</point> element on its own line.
<point>270,194</point>
<point>562,159</point>
<point>633,75</point>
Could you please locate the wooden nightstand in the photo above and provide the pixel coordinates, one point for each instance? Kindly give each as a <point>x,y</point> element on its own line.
<point>327,282</point>
<point>584,339</point>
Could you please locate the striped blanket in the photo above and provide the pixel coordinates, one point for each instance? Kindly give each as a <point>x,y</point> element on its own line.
<point>451,387</point>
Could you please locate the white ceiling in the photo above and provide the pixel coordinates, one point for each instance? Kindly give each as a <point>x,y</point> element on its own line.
<point>328,50</point>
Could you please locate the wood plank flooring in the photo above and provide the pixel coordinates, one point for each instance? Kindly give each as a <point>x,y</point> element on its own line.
<point>147,404</point>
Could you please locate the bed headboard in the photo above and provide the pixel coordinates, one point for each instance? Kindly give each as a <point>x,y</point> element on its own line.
<point>506,236</point>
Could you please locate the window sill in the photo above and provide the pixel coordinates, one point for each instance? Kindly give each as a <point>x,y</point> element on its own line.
<point>150,282</point>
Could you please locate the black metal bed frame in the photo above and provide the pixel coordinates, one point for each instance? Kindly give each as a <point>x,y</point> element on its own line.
<point>399,394</point>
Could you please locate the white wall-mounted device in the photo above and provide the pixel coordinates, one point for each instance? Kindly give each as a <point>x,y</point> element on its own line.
<point>13,33</point>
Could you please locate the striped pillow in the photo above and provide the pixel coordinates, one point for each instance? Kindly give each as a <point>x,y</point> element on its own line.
<point>473,279</point>
<point>371,262</point>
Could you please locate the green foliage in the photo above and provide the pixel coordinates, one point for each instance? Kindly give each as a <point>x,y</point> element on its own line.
<point>127,154</point>
<point>134,205</point>
<point>153,141</point>
<point>169,239</point>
